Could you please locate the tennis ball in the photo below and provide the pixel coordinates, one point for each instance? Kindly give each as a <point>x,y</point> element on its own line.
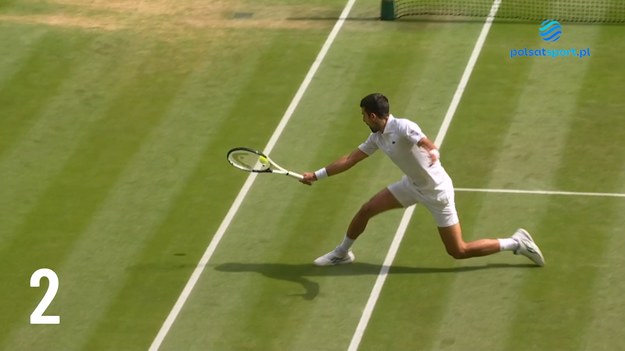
<point>263,160</point>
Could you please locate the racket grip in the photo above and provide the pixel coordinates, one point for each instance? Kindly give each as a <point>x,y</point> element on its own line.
<point>295,175</point>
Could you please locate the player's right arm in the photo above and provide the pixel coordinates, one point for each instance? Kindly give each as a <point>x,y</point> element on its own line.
<point>342,164</point>
<point>346,162</point>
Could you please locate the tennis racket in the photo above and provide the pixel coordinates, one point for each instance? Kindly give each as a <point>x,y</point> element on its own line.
<point>250,160</point>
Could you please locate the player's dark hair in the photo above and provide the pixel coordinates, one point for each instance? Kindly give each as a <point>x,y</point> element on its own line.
<point>376,103</point>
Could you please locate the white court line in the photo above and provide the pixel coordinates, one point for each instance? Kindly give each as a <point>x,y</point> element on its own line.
<point>182,299</point>
<point>403,225</point>
<point>538,192</point>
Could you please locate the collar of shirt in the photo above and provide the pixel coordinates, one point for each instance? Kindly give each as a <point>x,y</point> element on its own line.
<point>390,125</point>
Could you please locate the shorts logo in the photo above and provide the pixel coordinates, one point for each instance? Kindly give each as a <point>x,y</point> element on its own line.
<point>550,30</point>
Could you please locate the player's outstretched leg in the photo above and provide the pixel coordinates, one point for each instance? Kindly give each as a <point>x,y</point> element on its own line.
<point>382,201</point>
<point>521,243</point>
<point>459,249</point>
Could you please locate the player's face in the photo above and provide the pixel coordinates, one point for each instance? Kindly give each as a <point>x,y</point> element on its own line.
<point>368,119</point>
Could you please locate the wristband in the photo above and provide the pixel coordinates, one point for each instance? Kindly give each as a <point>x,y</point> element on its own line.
<point>322,173</point>
<point>435,152</point>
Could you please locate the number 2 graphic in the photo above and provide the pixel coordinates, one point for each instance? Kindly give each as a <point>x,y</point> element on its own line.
<point>37,316</point>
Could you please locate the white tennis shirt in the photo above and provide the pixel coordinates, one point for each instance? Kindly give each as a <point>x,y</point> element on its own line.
<point>399,142</point>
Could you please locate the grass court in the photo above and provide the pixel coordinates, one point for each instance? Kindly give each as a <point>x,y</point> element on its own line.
<point>115,118</point>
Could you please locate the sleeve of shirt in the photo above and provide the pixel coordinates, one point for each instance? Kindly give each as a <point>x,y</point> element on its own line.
<point>412,132</point>
<point>369,146</point>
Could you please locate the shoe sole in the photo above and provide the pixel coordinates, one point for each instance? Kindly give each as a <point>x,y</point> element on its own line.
<point>350,259</point>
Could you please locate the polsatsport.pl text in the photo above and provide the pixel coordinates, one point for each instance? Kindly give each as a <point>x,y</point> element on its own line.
<point>550,53</point>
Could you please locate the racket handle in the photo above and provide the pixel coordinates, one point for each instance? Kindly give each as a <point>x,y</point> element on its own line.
<point>295,175</point>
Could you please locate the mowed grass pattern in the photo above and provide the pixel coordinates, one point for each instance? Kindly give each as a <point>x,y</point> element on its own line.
<point>114,123</point>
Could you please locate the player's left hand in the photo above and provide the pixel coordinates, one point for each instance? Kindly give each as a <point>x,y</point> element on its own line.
<point>434,156</point>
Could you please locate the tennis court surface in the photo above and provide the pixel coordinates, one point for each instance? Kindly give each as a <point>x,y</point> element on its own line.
<point>115,121</point>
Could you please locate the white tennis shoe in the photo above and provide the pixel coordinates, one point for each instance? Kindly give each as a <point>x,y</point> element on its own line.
<point>527,247</point>
<point>334,257</point>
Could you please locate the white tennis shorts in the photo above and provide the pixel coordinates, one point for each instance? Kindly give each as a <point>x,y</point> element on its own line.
<point>440,202</point>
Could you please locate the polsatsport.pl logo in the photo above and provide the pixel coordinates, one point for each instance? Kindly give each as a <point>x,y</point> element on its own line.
<point>542,52</point>
<point>550,31</point>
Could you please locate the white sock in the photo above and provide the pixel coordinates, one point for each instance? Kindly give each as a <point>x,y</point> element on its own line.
<point>345,245</point>
<point>508,244</point>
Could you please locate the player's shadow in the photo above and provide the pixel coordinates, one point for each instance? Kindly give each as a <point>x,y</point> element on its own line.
<point>300,273</point>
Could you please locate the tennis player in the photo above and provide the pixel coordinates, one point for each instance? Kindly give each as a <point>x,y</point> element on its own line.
<point>425,182</point>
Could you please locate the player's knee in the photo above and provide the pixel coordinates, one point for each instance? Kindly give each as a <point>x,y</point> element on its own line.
<point>458,253</point>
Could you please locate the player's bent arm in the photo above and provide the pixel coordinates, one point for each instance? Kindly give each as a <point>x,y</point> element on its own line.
<point>427,144</point>
<point>346,162</point>
<point>431,149</point>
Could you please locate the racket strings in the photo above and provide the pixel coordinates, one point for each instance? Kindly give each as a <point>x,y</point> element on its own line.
<point>248,160</point>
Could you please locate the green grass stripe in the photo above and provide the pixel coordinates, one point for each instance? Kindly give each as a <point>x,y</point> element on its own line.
<point>34,160</point>
<point>37,7</point>
<point>581,228</point>
<point>82,212</point>
<point>40,203</point>
<point>30,89</point>
<point>606,318</point>
<point>170,255</point>
<point>544,112</point>
<point>513,168</point>
<point>593,154</point>
<point>19,41</point>
<point>552,309</point>
<point>607,315</point>
<point>487,108</point>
